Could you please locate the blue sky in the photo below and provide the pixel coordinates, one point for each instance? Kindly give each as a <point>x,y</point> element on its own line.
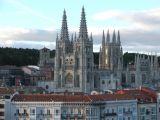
<point>35,23</point>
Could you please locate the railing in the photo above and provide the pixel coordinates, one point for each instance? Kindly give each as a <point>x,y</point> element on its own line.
<point>127,112</point>
<point>21,114</point>
<point>103,115</point>
<point>71,116</point>
<point>45,115</point>
<point>110,114</point>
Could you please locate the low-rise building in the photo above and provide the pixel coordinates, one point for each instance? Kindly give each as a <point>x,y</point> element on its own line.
<point>129,104</point>
<point>5,93</point>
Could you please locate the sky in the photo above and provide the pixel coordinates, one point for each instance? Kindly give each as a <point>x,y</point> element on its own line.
<point>35,23</point>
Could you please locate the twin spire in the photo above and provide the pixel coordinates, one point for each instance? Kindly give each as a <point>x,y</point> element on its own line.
<point>64,28</point>
<point>83,26</point>
<point>82,31</point>
<point>107,39</point>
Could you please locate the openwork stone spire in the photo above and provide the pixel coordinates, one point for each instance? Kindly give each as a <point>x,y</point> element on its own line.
<point>83,26</point>
<point>118,38</point>
<point>108,37</point>
<point>64,28</point>
<point>114,37</point>
<point>103,39</point>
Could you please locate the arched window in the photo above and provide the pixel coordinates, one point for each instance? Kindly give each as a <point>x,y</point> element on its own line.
<point>123,78</point>
<point>132,78</point>
<point>95,82</point>
<point>60,63</point>
<point>59,81</point>
<point>143,78</point>
<point>77,82</point>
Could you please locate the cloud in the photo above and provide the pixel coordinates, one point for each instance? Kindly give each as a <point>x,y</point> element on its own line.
<point>132,39</point>
<point>145,19</point>
<point>19,34</point>
<point>141,35</point>
<point>142,32</point>
<point>31,38</point>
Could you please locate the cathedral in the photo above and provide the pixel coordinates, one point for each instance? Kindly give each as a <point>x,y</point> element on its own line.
<point>74,63</point>
<point>75,71</point>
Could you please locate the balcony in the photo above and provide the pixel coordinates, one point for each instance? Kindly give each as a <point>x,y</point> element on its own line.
<point>110,114</point>
<point>21,115</point>
<point>127,112</point>
<point>44,115</point>
<point>72,116</point>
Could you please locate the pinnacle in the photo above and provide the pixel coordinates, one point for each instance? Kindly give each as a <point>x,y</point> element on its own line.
<point>83,26</point>
<point>64,28</point>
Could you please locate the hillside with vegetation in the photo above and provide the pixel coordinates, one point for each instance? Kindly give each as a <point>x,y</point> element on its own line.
<point>21,57</point>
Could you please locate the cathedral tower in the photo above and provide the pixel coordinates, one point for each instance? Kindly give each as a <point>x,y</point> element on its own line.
<point>74,59</point>
<point>111,52</point>
<point>84,55</point>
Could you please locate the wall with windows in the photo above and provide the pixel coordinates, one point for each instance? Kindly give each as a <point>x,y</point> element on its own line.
<point>147,111</point>
<point>51,110</point>
<point>119,110</point>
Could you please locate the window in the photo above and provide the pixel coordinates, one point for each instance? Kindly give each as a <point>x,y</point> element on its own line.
<point>107,110</point>
<point>57,112</point>
<point>142,117</point>
<point>17,111</point>
<point>129,118</point>
<point>120,110</point>
<point>1,105</point>
<point>153,117</point>
<point>88,77</point>
<point>79,111</point>
<point>87,112</point>
<point>103,82</point>
<point>112,110</point>
<point>77,63</point>
<point>124,109</point>
<point>142,110</point>
<point>132,78</point>
<point>41,112</point>
<point>60,63</point>
<point>93,111</point>
<point>48,112</point>
<point>77,84</point>
<point>153,110</point>
<point>143,78</point>
<point>25,111</point>
<point>95,82</point>
<point>32,111</point>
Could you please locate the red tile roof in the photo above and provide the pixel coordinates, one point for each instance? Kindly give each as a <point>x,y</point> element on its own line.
<point>6,91</point>
<point>111,97</point>
<point>51,97</point>
<point>143,95</point>
<point>70,98</point>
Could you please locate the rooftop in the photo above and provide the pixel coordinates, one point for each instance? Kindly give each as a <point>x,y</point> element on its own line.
<point>143,95</point>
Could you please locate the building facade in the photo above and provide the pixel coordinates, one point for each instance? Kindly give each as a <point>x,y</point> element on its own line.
<point>74,59</point>
<point>143,71</point>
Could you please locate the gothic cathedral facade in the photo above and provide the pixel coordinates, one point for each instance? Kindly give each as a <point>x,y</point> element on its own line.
<point>74,62</point>
<point>74,58</point>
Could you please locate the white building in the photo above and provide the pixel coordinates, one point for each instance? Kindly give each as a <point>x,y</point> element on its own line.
<point>84,107</point>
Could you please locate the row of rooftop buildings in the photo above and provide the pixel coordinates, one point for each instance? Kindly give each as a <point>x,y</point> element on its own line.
<point>127,104</point>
